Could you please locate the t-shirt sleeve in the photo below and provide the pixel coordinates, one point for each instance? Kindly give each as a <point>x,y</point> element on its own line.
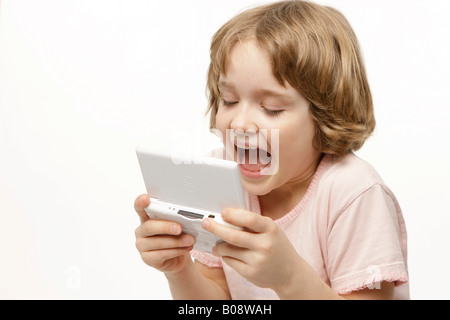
<point>207,259</point>
<point>367,243</point>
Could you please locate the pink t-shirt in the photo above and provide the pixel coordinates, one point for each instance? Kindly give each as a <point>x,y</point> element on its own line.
<point>348,227</point>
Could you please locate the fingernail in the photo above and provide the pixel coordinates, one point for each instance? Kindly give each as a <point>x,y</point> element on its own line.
<point>187,240</point>
<point>224,212</point>
<point>205,224</point>
<point>174,229</point>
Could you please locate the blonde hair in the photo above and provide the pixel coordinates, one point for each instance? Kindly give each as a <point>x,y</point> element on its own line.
<point>315,50</point>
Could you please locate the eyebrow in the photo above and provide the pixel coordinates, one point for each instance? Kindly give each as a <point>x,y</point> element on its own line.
<point>261,92</point>
<point>225,84</point>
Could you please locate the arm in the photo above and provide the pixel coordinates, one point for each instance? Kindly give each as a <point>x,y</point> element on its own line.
<point>306,284</point>
<point>199,282</point>
<point>264,256</point>
<point>163,247</point>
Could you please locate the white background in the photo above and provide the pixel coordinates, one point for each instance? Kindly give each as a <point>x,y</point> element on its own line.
<point>84,82</point>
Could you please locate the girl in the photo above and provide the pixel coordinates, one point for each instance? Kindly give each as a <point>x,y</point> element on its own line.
<point>323,225</point>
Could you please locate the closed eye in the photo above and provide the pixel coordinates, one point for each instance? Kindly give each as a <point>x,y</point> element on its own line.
<point>273,113</point>
<point>229,103</point>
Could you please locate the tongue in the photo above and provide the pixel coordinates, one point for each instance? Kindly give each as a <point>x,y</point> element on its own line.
<point>253,167</point>
<point>249,163</point>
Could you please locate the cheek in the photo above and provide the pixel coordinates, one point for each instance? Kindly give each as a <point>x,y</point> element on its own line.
<point>221,124</point>
<point>296,140</point>
<point>220,120</point>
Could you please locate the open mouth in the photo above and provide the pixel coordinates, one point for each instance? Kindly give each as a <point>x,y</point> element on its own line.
<point>251,159</point>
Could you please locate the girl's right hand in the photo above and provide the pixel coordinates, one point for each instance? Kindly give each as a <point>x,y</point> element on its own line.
<point>160,243</point>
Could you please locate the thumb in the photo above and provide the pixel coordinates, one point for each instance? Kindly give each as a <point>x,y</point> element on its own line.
<point>140,204</point>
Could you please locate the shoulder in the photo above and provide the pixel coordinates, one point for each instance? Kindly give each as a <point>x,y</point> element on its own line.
<point>348,177</point>
<point>350,169</point>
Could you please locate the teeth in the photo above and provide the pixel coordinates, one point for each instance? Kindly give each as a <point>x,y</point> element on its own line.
<point>250,148</point>
<point>240,154</point>
<point>247,147</point>
<point>252,157</point>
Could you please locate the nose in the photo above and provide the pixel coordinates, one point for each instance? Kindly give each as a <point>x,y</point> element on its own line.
<point>243,120</point>
<point>244,129</point>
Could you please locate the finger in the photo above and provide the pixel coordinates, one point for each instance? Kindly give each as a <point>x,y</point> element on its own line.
<point>229,250</point>
<point>140,204</point>
<point>236,264</point>
<point>233,236</point>
<point>158,227</point>
<point>157,258</point>
<point>164,242</point>
<point>247,219</point>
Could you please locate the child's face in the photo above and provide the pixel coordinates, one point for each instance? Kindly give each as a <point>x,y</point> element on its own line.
<point>252,100</point>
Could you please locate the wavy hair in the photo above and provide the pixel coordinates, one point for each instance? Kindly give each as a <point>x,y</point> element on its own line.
<point>314,49</point>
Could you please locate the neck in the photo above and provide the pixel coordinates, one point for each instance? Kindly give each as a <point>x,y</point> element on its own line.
<point>281,200</point>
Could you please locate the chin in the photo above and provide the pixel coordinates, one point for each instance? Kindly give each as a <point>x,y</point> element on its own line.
<point>261,187</point>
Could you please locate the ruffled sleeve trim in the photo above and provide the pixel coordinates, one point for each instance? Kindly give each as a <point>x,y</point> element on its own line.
<point>207,259</point>
<point>371,278</point>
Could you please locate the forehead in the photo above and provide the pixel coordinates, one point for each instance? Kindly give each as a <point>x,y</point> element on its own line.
<point>247,63</point>
<point>249,69</point>
<point>245,55</point>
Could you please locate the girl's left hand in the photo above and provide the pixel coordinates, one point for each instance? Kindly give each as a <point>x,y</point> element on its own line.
<point>261,252</point>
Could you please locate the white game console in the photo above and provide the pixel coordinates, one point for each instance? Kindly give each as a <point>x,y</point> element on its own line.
<point>188,190</point>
